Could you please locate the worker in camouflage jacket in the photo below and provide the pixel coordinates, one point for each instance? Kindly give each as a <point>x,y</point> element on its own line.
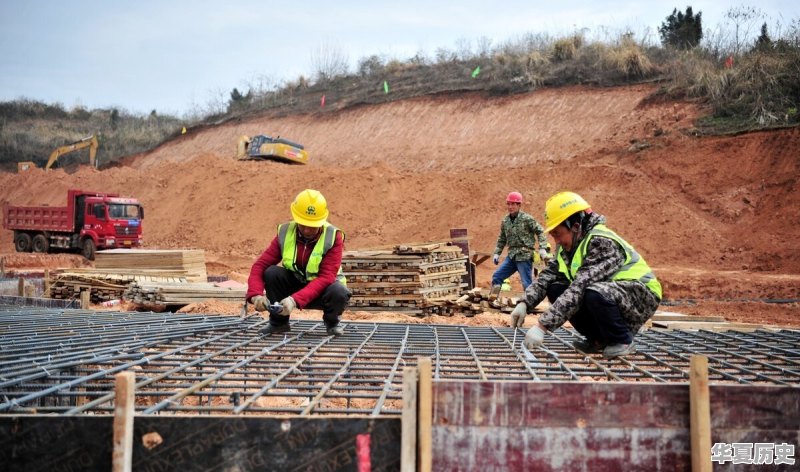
<point>519,231</point>
<point>597,281</point>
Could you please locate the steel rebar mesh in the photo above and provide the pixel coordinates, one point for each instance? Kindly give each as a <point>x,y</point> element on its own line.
<point>64,362</point>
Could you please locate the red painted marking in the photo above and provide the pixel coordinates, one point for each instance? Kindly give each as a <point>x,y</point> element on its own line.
<point>362,453</point>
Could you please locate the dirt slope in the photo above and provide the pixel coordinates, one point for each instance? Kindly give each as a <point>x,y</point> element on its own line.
<point>713,216</point>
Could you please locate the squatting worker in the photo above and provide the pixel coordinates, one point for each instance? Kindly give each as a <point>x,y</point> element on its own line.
<point>519,231</point>
<point>301,267</point>
<point>597,281</point>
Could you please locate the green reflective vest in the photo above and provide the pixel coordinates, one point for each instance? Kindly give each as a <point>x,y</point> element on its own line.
<point>634,268</point>
<point>287,239</point>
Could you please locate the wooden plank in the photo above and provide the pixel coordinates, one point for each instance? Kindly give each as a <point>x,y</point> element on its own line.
<point>688,318</point>
<point>700,414</point>
<point>618,426</point>
<point>425,413</point>
<point>122,451</point>
<point>707,326</point>
<point>408,446</point>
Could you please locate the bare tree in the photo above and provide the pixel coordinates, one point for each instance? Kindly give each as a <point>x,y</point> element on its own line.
<point>745,21</point>
<point>328,61</point>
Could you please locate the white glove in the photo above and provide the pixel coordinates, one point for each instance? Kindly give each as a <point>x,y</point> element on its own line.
<point>496,259</point>
<point>259,302</point>
<point>288,305</point>
<point>544,255</point>
<point>518,315</point>
<point>534,337</point>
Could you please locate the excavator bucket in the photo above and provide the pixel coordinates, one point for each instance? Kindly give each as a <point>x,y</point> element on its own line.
<point>265,147</point>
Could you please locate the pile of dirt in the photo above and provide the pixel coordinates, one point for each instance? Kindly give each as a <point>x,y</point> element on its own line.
<point>714,216</point>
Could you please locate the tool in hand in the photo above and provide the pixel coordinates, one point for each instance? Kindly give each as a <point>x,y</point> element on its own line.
<point>243,315</point>
<point>274,308</point>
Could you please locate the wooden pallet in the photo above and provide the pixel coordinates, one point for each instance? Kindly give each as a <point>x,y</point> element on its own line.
<point>410,276</point>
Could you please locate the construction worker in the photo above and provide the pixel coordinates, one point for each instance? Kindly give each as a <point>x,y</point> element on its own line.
<point>301,267</point>
<point>519,231</point>
<point>597,281</point>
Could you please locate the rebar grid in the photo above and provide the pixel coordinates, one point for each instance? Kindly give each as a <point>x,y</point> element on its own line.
<point>64,362</point>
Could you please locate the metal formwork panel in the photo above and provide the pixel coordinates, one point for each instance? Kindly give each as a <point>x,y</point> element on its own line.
<point>64,362</point>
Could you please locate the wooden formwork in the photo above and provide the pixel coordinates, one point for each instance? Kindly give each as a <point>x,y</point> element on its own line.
<point>445,425</point>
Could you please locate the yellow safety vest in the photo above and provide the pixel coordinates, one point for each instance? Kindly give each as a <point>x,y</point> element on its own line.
<point>287,239</point>
<point>634,268</point>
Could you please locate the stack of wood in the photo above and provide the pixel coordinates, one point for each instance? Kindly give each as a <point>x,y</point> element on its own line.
<point>103,285</point>
<point>164,293</point>
<point>191,263</point>
<point>414,279</point>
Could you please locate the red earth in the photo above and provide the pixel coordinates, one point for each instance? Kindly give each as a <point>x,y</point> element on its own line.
<point>714,216</point>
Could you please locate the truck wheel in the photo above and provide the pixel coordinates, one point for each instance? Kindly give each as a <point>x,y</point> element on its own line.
<point>40,243</point>
<point>22,243</point>
<point>88,249</point>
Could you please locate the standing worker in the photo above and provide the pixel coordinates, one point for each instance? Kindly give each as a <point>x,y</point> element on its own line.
<point>597,281</point>
<point>519,231</point>
<point>301,267</point>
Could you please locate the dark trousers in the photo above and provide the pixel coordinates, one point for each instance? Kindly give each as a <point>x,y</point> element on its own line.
<point>281,283</point>
<point>598,318</point>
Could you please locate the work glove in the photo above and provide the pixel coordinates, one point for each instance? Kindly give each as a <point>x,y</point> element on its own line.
<point>534,337</point>
<point>544,255</point>
<point>260,302</point>
<point>288,305</point>
<point>518,315</point>
<point>496,259</point>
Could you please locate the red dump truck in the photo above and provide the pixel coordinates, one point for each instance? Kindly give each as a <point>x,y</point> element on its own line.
<point>90,221</point>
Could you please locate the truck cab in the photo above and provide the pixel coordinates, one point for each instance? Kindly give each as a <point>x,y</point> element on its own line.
<point>90,221</point>
<point>108,222</point>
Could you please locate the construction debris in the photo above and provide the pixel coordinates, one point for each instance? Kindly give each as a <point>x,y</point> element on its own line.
<point>102,285</point>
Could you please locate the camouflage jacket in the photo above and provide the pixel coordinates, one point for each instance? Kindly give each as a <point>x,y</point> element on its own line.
<point>604,257</point>
<point>520,236</point>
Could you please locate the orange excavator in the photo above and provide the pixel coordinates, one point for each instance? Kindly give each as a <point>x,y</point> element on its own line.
<point>89,141</point>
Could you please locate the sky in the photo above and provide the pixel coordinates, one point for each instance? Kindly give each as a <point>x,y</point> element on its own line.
<point>180,57</point>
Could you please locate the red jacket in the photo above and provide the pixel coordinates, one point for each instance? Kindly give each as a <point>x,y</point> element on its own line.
<point>328,269</point>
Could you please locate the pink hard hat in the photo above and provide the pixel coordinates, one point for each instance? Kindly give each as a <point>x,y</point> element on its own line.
<point>514,197</point>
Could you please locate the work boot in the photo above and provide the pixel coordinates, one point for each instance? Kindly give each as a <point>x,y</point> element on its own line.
<point>335,330</point>
<point>495,292</point>
<point>587,346</point>
<point>617,350</point>
<point>274,329</point>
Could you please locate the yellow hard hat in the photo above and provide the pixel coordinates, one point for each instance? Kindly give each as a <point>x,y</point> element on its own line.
<point>561,206</point>
<point>309,208</point>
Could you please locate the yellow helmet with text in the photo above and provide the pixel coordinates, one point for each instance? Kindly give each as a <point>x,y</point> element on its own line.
<point>310,208</point>
<point>561,206</point>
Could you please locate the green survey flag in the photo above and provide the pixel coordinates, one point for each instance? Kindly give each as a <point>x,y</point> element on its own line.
<point>476,72</point>
<point>385,87</point>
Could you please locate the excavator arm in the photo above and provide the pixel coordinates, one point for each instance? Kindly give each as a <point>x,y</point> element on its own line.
<point>89,141</point>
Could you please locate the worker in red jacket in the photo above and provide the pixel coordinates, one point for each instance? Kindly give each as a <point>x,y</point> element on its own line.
<point>302,267</point>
